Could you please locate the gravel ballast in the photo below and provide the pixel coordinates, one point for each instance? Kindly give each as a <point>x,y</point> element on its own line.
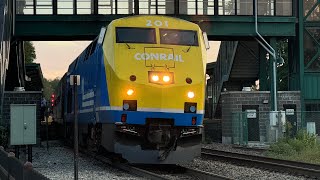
<point>238,172</point>
<point>58,164</point>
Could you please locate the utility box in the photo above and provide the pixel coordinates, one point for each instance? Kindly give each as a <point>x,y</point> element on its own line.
<point>23,124</point>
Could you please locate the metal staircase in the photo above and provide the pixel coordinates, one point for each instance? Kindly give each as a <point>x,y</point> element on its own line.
<point>237,66</point>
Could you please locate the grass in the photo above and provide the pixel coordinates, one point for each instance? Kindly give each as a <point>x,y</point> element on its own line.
<point>304,148</point>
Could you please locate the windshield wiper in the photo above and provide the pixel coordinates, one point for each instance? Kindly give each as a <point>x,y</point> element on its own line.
<point>129,47</point>
<point>194,38</point>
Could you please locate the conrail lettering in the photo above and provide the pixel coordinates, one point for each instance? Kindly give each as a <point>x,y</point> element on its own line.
<point>158,56</point>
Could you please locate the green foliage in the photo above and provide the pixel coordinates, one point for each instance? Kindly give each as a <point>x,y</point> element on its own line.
<point>50,86</point>
<point>304,147</point>
<point>29,50</point>
<point>3,136</point>
<point>283,71</point>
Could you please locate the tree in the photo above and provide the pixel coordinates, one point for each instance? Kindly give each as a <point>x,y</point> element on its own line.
<point>283,71</point>
<point>29,52</point>
<point>50,86</point>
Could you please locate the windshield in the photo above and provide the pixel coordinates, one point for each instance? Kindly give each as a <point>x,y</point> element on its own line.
<point>136,35</point>
<point>178,37</point>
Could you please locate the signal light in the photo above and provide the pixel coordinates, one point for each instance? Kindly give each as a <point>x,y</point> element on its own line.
<point>194,120</point>
<point>52,99</point>
<point>123,118</point>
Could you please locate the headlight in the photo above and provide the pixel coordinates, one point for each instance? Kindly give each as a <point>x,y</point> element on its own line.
<point>130,92</point>
<point>155,78</point>
<point>161,77</point>
<point>190,94</point>
<point>166,78</point>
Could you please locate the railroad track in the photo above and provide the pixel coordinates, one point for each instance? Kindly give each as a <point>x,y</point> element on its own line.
<point>181,172</point>
<point>152,171</point>
<point>293,167</point>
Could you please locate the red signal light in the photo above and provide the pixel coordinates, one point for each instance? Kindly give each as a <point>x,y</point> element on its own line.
<point>52,96</point>
<point>123,118</point>
<point>194,120</point>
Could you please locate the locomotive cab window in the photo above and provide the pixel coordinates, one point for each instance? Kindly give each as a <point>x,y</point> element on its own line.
<point>178,37</point>
<point>136,35</point>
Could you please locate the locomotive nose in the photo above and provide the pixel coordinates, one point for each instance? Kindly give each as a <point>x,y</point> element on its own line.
<point>160,57</point>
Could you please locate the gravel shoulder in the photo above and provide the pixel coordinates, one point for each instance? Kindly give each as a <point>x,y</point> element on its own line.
<point>57,163</point>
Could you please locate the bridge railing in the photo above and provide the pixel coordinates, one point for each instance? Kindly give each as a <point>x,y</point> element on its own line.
<point>186,7</point>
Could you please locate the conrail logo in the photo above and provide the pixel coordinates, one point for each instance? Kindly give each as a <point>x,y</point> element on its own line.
<point>158,56</point>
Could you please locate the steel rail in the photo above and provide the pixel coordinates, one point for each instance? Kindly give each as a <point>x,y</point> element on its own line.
<point>204,175</point>
<point>184,171</point>
<point>130,169</point>
<point>122,166</point>
<point>293,167</point>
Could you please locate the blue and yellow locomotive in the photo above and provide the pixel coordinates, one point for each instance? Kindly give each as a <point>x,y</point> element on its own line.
<point>142,90</point>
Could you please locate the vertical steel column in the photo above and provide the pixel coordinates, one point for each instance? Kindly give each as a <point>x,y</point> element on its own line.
<point>272,52</point>
<point>75,7</point>
<point>156,6</point>
<point>176,7</point>
<point>236,7</point>
<point>136,6</point>
<point>216,7</point>
<point>254,6</point>
<point>116,6</point>
<point>34,7</point>
<point>95,7</point>
<point>301,56</point>
<point>196,7</point>
<point>275,8</point>
<point>54,7</point>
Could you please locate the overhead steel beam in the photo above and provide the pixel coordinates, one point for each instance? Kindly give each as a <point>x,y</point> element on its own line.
<point>86,27</point>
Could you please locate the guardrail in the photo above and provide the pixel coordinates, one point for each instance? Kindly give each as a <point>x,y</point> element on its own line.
<point>11,168</point>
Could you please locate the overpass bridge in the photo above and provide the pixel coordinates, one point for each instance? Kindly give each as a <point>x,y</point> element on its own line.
<point>241,60</point>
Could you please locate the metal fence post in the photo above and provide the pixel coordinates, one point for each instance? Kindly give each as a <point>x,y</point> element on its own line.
<point>10,155</point>
<point>75,81</point>
<point>27,168</point>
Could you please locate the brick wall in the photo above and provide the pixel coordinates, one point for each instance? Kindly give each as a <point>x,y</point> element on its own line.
<point>233,101</point>
<point>21,97</point>
<point>212,130</point>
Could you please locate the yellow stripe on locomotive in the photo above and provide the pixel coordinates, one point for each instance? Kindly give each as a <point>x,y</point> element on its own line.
<point>160,70</point>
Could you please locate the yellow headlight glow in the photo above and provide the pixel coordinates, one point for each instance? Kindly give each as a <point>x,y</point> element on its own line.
<point>155,78</point>
<point>190,94</point>
<point>130,92</point>
<point>161,77</point>
<point>166,78</point>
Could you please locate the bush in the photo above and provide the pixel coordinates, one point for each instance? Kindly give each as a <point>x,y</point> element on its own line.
<point>304,147</point>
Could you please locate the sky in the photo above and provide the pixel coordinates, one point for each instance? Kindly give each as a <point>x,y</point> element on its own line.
<point>55,56</point>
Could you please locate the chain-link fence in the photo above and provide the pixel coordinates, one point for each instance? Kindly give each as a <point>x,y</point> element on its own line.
<point>253,127</point>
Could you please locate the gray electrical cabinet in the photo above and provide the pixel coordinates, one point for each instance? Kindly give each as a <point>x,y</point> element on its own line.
<point>23,124</point>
